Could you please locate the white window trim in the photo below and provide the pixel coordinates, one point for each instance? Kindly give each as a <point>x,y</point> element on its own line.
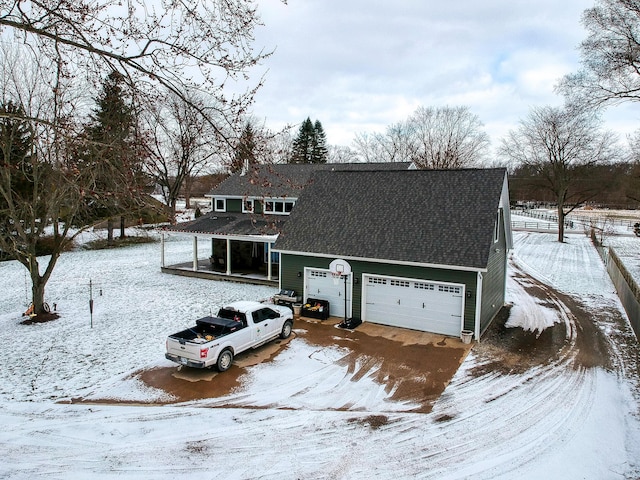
<point>215,204</point>
<point>281,202</point>
<point>248,201</point>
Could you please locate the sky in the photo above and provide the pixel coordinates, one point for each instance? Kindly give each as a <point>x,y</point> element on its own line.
<point>362,65</point>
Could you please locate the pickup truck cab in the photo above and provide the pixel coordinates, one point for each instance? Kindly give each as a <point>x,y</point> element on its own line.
<point>239,326</point>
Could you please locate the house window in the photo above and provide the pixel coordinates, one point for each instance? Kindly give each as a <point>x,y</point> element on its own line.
<point>278,207</point>
<point>496,230</point>
<point>247,206</point>
<point>220,204</point>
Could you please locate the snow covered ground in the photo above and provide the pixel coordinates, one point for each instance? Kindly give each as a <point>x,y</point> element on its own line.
<point>551,421</point>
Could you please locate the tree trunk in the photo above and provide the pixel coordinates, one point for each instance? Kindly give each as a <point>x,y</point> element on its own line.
<point>110,231</point>
<point>188,183</point>
<point>37,285</point>
<point>122,224</point>
<point>560,223</point>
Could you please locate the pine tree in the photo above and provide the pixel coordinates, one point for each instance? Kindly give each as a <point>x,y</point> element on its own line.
<point>16,146</point>
<point>245,151</point>
<point>319,151</point>
<point>111,148</point>
<point>310,146</point>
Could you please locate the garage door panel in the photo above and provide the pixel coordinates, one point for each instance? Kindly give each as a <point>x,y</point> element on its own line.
<point>320,285</point>
<point>415,304</point>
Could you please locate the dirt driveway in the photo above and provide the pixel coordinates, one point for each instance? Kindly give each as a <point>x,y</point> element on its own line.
<point>412,366</point>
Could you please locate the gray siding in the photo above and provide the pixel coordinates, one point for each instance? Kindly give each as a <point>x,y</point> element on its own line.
<point>493,281</point>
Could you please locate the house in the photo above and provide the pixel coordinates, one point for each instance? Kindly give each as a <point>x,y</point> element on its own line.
<point>249,210</point>
<point>426,249</point>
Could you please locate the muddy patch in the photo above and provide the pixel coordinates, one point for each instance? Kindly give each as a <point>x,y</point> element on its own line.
<point>416,373</point>
<point>577,339</point>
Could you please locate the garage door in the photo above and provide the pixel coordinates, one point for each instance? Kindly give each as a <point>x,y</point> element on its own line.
<point>417,304</point>
<point>321,285</point>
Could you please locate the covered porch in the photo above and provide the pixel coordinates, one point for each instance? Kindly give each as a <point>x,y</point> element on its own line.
<point>240,258</point>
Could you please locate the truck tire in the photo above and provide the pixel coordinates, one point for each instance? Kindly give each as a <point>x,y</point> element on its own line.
<point>286,329</point>
<point>224,360</point>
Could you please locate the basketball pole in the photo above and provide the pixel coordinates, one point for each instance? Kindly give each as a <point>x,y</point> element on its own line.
<point>345,299</point>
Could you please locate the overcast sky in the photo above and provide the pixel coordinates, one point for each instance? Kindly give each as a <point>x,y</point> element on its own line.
<point>361,65</point>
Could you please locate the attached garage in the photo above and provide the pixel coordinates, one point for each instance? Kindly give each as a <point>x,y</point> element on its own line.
<point>320,284</point>
<point>428,249</point>
<point>411,303</point>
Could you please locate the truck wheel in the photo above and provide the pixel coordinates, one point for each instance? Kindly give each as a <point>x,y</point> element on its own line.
<point>224,360</point>
<point>286,329</point>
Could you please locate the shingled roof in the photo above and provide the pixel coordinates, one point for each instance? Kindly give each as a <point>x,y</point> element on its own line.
<point>287,180</point>
<point>236,224</point>
<point>435,217</point>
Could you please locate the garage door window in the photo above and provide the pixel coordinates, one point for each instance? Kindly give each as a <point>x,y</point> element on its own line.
<point>424,286</point>
<point>315,273</point>
<point>449,289</point>
<point>377,281</point>
<point>399,283</point>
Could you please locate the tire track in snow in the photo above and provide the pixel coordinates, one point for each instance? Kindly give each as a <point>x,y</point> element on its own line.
<point>507,420</point>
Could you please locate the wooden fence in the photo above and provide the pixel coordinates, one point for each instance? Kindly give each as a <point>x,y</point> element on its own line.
<point>626,286</point>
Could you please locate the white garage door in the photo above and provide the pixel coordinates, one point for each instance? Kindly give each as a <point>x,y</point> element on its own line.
<point>321,285</point>
<point>417,304</point>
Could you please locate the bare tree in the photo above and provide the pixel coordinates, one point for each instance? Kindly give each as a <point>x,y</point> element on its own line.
<point>45,191</point>
<point>342,154</point>
<point>447,137</point>
<point>632,178</point>
<point>558,146</point>
<point>368,147</point>
<point>610,56</point>
<point>444,137</point>
<point>182,47</point>
<point>394,145</point>
<point>179,46</point>
<point>181,145</point>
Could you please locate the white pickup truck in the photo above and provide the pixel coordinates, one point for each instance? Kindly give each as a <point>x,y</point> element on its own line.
<point>239,326</point>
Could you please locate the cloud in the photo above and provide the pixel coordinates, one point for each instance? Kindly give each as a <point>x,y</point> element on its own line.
<point>362,65</point>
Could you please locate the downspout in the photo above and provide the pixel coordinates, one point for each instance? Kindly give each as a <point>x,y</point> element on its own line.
<point>478,307</point>
<point>195,253</point>
<point>228,256</point>
<point>269,265</point>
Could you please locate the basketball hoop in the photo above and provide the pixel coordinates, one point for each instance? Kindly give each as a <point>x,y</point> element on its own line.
<point>336,277</point>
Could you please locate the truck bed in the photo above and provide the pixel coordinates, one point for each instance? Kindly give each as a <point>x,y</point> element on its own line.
<point>207,329</point>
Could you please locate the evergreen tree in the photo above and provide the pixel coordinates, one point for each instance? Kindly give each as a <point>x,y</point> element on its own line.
<point>16,145</point>
<point>111,150</point>
<point>319,151</point>
<point>310,146</point>
<point>245,151</point>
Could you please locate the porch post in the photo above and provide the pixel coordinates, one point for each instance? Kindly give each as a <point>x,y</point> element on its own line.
<point>162,250</point>
<point>269,266</point>
<point>228,256</point>
<point>195,253</point>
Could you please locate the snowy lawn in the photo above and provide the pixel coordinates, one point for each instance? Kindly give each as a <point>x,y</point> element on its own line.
<point>550,422</point>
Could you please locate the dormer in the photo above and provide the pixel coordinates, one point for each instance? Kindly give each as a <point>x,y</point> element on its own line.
<point>258,205</point>
<point>278,206</point>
